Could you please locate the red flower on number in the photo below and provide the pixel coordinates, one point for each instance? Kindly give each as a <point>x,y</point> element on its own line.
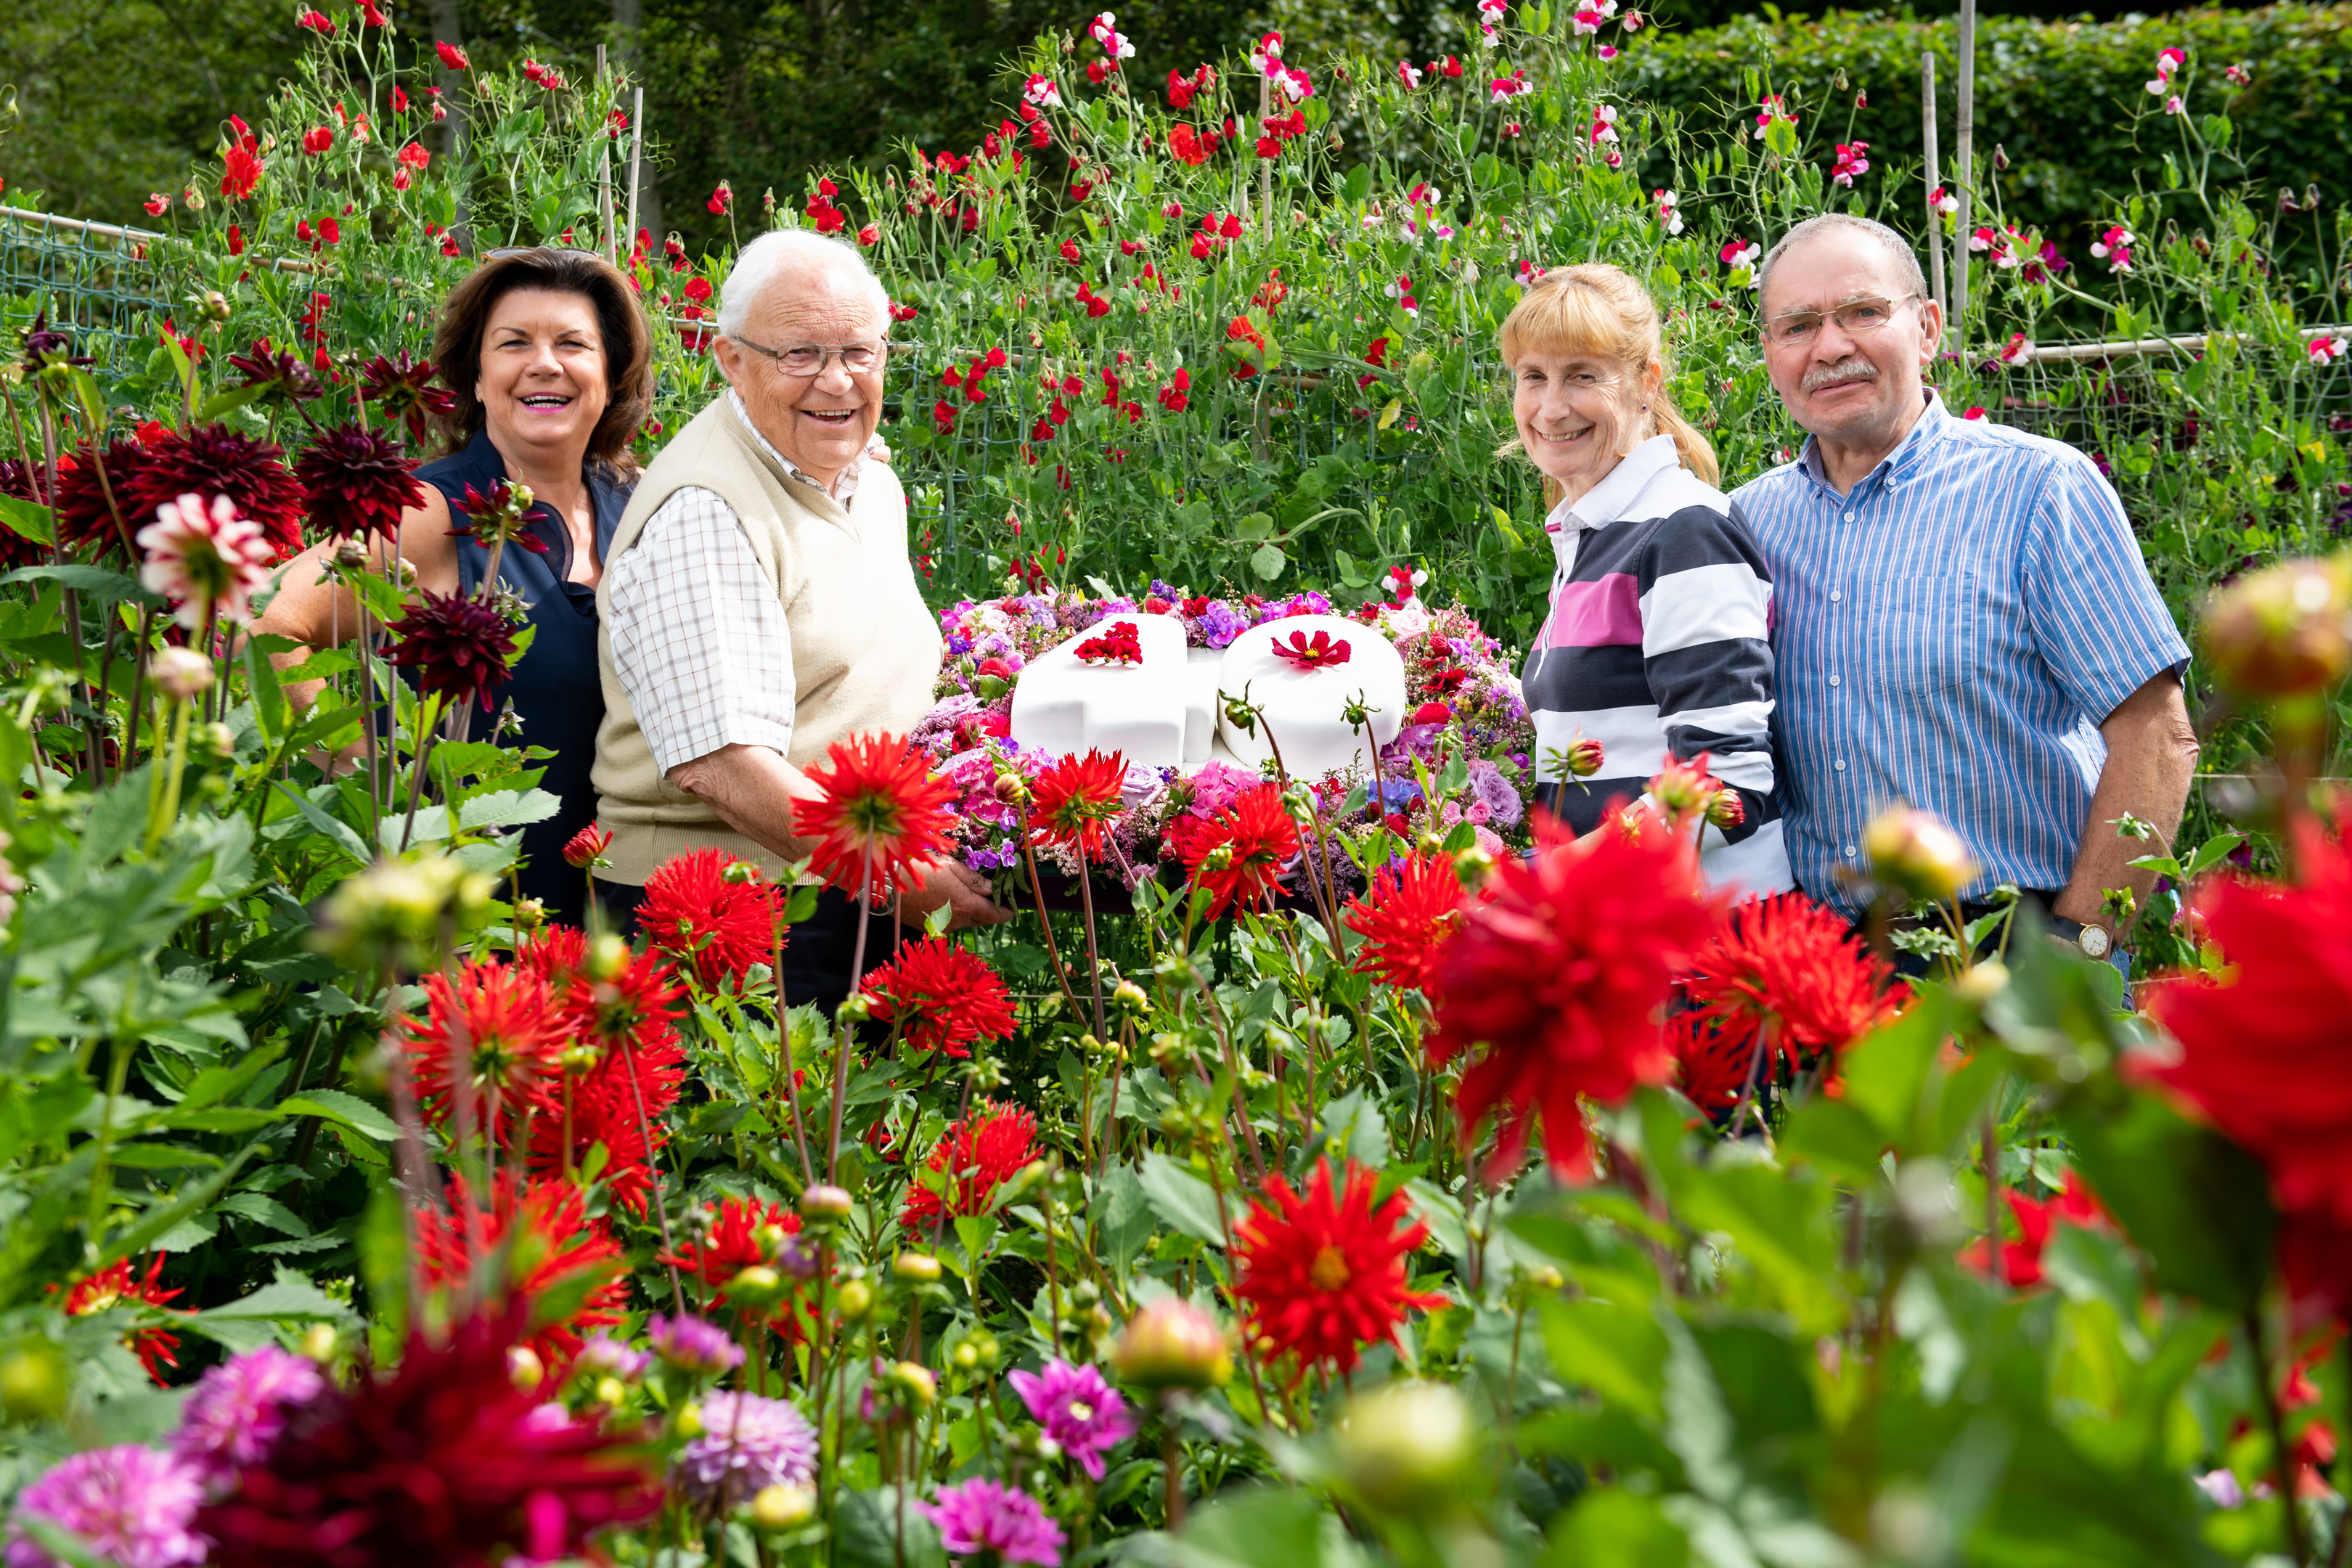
<point>883,816</point>
<point>1324,1273</point>
<point>1300,652</point>
<point>1120,644</point>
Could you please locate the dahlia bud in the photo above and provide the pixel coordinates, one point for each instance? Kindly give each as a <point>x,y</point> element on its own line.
<point>915,1381</point>
<point>35,1382</point>
<point>180,673</point>
<point>1727,810</point>
<point>529,914</point>
<point>612,1390</point>
<point>856,1010</point>
<point>351,555</point>
<point>606,958</point>
<point>855,1299</point>
<point>1172,1344</point>
<point>1218,858</point>
<point>1583,758</point>
<point>757,1289</point>
<point>214,740</point>
<point>1405,1448</point>
<point>1983,982</point>
<point>769,1238</point>
<point>586,849</point>
<point>1241,713</point>
<point>1684,789</point>
<point>1129,998</point>
<point>1012,789</point>
<point>917,1267</point>
<point>524,1369</point>
<point>687,1422</point>
<point>2284,631</point>
<point>783,1506</point>
<point>216,305</point>
<point>740,873</point>
<point>1917,854</point>
<point>320,1342</point>
<point>822,1203</point>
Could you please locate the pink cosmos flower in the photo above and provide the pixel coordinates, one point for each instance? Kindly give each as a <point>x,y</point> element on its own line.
<point>208,560</point>
<point>128,1504</point>
<point>985,1517</point>
<point>1079,1410</point>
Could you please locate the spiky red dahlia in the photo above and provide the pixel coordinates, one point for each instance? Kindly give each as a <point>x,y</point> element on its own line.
<point>84,521</point>
<point>1323,1272</point>
<point>496,1025</point>
<point>1240,856</point>
<point>2262,1057</point>
<point>115,1284</point>
<point>718,925</point>
<point>1074,800</point>
<point>733,1241</point>
<point>359,482</point>
<point>553,1242</point>
<point>976,1157</point>
<point>1554,986</point>
<point>214,461</point>
<point>444,1460</point>
<point>1794,967</point>
<point>883,816</point>
<point>460,646</point>
<point>619,1103</point>
<point>1712,1063</point>
<point>1405,920</point>
<point>940,997</point>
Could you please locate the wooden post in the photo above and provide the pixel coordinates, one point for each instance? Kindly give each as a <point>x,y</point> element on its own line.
<point>637,152</point>
<point>1965,175</point>
<point>606,239</point>
<point>1934,176</point>
<point>1265,166</point>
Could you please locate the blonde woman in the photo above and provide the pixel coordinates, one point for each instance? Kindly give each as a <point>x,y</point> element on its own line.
<point>1656,641</point>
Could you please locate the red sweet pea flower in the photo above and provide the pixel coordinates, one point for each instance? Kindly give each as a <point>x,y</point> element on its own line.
<point>115,1284</point>
<point>719,925</point>
<point>720,200</point>
<point>882,817</point>
<point>2262,1056</point>
<point>316,22</point>
<point>976,1157</point>
<point>1324,1274</point>
<point>1074,798</point>
<point>2020,1261</point>
<point>1240,854</point>
<point>870,236</point>
<point>1554,985</point>
<point>318,139</point>
<point>1069,252</point>
<point>1300,653</point>
<point>1405,920</point>
<point>452,56</point>
<point>1186,146</point>
<point>1795,967</point>
<point>940,997</point>
<point>240,172</point>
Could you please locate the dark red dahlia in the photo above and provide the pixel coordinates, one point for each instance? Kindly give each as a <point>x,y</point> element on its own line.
<point>213,459</point>
<point>359,482</point>
<point>402,389</point>
<point>443,1461</point>
<point>282,375</point>
<point>1324,1273</point>
<point>976,1157</point>
<point>458,647</point>
<point>698,914</point>
<point>85,523</point>
<point>941,997</point>
<point>22,483</point>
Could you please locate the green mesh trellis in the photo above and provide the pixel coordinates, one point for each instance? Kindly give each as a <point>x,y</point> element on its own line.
<point>93,279</point>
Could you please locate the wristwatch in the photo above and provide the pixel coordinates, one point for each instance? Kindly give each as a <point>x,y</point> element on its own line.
<point>2093,941</point>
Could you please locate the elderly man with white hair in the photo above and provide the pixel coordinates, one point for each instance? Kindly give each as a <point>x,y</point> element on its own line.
<point>758,604</point>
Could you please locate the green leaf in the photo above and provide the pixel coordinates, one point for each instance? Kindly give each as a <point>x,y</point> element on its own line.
<point>1180,1198</point>
<point>26,520</point>
<point>1355,1130</point>
<point>337,832</point>
<point>867,1525</point>
<point>347,1109</point>
<point>1615,1528</point>
<point>250,1323</point>
<point>263,1209</point>
<point>1122,1218</point>
<point>1617,1351</point>
<point>234,398</point>
<point>1254,1527</point>
<point>2197,1204</point>
<point>1268,561</point>
<point>95,584</point>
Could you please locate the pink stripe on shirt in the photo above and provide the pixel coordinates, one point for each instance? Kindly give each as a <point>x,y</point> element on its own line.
<point>1603,613</point>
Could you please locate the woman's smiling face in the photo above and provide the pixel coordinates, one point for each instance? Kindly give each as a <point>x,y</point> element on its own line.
<point>543,386</point>
<point>1574,413</point>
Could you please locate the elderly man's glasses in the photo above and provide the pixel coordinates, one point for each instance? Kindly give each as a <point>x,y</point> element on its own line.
<point>1800,327</point>
<point>810,359</point>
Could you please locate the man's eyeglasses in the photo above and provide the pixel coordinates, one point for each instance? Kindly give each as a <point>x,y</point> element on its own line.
<point>1800,327</point>
<point>810,359</point>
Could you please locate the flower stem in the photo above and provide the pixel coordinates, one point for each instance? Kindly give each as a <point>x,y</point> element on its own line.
<point>840,1043</point>
<point>2282,1456</point>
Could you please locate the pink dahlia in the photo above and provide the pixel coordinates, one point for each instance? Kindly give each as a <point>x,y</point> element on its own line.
<point>1078,1409</point>
<point>209,560</point>
<point>130,1506</point>
<point>985,1517</point>
<point>239,1407</point>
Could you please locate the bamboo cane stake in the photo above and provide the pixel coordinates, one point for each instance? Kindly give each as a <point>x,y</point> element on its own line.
<point>610,240</point>
<point>1965,173</point>
<point>637,152</point>
<point>1933,178</point>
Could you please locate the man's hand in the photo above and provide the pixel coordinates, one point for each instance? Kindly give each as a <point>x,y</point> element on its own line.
<point>963,889</point>
<point>2151,756</point>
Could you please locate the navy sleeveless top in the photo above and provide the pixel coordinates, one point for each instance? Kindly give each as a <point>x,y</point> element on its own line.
<point>555,689</point>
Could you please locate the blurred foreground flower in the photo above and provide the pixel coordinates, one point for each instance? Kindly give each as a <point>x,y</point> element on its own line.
<point>126,1505</point>
<point>1915,852</point>
<point>1170,1343</point>
<point>239,1408</point>
<point>207,558</point>
<point>1406,1445</point>
<point>748,1444</point>
<point>986,1520</point>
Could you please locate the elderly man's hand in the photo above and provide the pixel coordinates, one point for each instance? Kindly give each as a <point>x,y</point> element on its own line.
<point>963,889</point>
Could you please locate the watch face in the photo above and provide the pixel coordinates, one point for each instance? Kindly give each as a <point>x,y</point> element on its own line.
<point>2095,941</point>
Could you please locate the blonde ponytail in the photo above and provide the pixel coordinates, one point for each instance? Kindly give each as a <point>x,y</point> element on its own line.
<point>1600,310</point>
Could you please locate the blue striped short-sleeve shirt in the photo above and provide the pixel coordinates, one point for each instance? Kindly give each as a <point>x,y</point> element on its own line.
<point>1951,633</point>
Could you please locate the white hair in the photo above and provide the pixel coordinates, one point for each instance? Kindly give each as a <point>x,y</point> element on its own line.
<point>756,265</point>
<point>1898,249</point>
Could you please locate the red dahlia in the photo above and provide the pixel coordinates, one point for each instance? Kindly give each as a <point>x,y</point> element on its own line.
<point>882,817</point>
<point>1554,985</point>
<point>975,1157</point>
<point>214,461</point>
<point>735,1242</point>
<point>1791,965</point>
<point>699,916</point>
<point>502,1018</point>
<point>1074,798</point>
<point>116,1284</point>
<point>84,521</point>
<point>1405,920</point>
<point>2262,1058</point>
<point>1241,856</point>
<point>554,1243</point>
<point>402,389</point>
<point>458,647</point>
<point>941,996</point>
<point>1711,1063</point>
<point>610,1105</point>
<point>1324,1274</point>
<point>359,482</point>
<point>442,1461</point>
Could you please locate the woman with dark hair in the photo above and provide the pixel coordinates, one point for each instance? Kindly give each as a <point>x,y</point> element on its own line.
<point>550,367</point>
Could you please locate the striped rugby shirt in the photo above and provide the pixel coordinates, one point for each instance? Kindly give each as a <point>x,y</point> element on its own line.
<point>1952,632</point>
<point>1656,644</point>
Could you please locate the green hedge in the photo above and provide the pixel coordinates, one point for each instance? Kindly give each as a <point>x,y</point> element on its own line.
<point>2046,92</point>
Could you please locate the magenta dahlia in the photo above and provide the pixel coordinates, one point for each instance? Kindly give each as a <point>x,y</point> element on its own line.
<point>987,1519</point>
<point>239,1408</point>
<point>129,1505</point>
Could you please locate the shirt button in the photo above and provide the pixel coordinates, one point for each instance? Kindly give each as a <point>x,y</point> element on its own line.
<point>1849,851</point>
<point>1833,680</point>
<point>1840,764</point>
<point>1849,517</point>
<point>1835,596</point>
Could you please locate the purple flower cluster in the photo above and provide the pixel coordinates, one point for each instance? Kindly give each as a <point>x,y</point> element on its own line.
<point>1220,625</point>
<point>605,1356</point>
<point>239,1408</point>
<point>748,1443</point>
<point>129,1506</point>
<point>693,1346</point>
<point>984,1518</point>
<point>1079,1410</point>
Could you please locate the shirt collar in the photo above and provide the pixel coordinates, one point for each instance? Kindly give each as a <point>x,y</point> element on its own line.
<point>1607,501</point>
<point>845,484</point>
<point>1927,430</point>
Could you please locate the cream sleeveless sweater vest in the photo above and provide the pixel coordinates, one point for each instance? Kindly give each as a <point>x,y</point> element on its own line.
<point>866,650</point>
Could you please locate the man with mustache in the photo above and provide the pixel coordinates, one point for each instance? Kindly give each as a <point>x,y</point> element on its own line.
<point>1965,622</point>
